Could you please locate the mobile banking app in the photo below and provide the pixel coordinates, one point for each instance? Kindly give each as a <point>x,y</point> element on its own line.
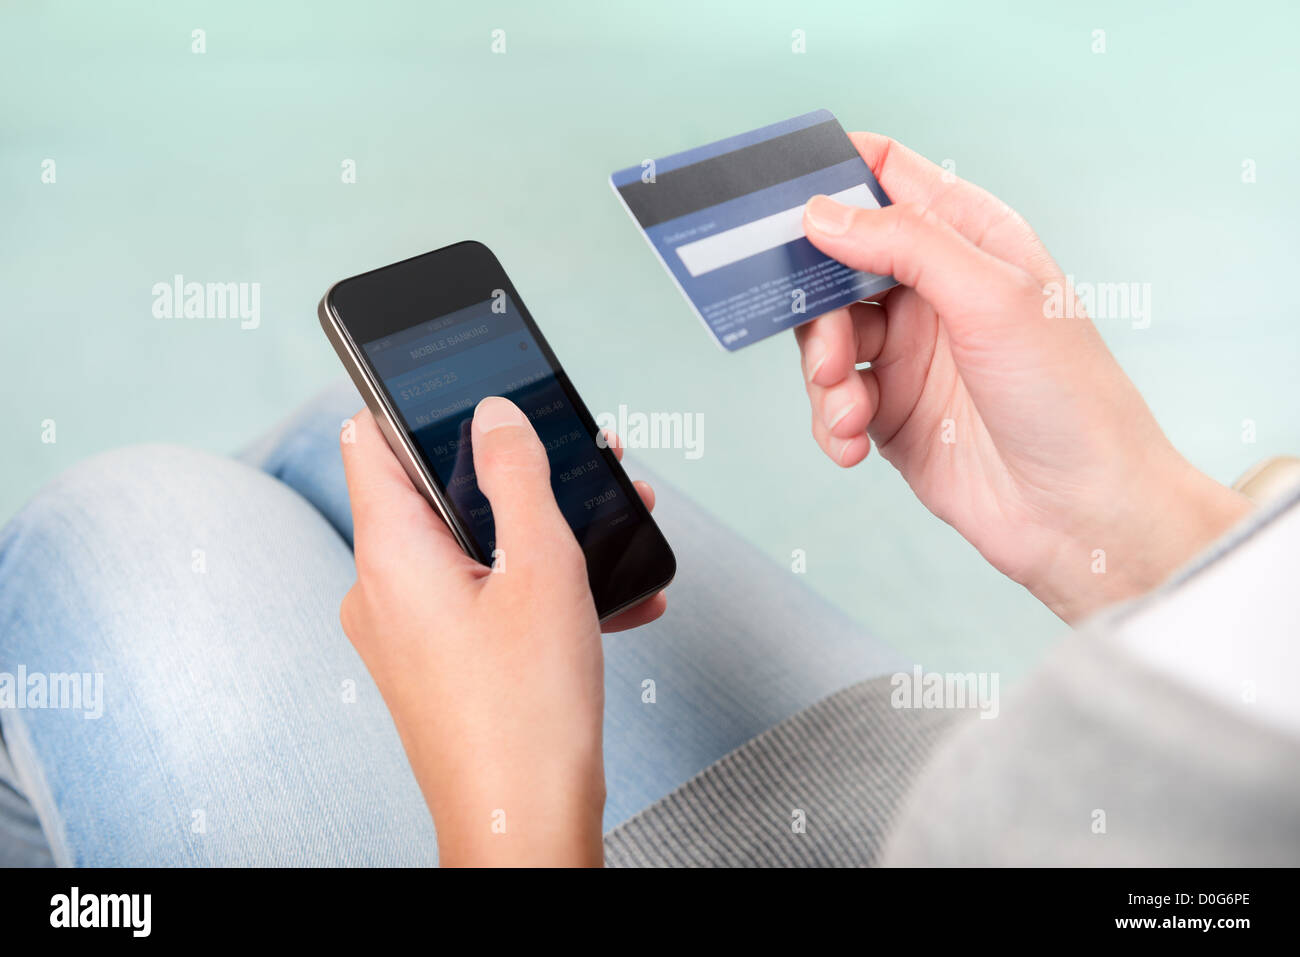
<point>437,372</point>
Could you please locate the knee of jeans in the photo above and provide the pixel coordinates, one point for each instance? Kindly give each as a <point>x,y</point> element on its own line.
<point>137,489</point>
<point>180,599</point>
<point>141,534</point>
<point>69,541</point>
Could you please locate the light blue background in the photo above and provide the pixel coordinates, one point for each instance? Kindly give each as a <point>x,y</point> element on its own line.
<point>226,167</point>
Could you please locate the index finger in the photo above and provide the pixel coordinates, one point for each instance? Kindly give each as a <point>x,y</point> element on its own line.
<point>386,508</point>
<point>988,222</point>
<point>907,176</point>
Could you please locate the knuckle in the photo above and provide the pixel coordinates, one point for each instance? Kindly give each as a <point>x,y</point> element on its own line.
<point>918,218</point>
<point>349,613</point>
<point>927,218</point>
<point>911,213</point>
<point>1024,289</point>
<point>517,455</point>
<point>552,569</point>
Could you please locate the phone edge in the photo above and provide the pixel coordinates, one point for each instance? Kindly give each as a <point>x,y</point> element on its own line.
<point>393,432</point>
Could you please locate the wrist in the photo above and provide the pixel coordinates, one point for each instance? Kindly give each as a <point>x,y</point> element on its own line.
<point>502,821</point>
<point>518,836</point>
<point>1153,523</point>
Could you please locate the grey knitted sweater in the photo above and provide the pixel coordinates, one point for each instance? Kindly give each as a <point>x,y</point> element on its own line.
<point>1165,732</point>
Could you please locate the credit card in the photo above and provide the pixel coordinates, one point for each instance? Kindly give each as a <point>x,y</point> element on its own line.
<point>726,220</point>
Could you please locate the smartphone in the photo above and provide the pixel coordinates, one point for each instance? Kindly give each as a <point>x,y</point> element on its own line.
<point>425,340</point>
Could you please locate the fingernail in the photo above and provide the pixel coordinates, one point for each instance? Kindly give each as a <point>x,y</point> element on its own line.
<point>839,416</point>
<point>843,452</point>
<point>495,412</point>
<point>814,352</point>
<point>828,216</point>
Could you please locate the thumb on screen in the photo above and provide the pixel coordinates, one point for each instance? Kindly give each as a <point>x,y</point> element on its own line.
<point>514,473</point>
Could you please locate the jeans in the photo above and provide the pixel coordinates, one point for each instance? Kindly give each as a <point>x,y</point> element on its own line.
<point>236,724</point>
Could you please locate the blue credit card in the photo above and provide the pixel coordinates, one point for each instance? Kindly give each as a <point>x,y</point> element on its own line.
<point>726,220</point>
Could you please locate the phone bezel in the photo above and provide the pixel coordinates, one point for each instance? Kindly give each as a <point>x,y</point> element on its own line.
<point>395,297</point>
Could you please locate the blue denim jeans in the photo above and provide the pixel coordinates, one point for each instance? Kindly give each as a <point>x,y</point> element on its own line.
<point>238,726</point>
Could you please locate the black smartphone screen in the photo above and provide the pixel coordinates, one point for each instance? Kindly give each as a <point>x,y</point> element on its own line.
<point>441,332</point>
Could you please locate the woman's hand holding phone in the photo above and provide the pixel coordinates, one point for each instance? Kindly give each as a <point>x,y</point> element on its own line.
<point>494,677</point>
<point>1019,430</point>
